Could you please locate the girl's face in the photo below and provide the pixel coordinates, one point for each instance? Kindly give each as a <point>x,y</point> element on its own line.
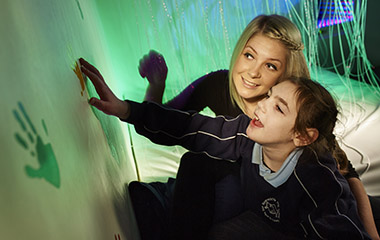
<point>259,66</point>
<point>275,117</point>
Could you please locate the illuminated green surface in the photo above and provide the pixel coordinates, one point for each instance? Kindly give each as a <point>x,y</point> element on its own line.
<point>64,165</point>
<point>63,169</point>
<point>48,167</point>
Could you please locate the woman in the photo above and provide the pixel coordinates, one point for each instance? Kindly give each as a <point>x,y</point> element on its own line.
<point>269,50</point>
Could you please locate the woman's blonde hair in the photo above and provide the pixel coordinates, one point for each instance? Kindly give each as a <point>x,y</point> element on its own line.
<point>275,27</point>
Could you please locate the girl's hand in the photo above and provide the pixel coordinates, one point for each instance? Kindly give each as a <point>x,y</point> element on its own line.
<point>108,102</point>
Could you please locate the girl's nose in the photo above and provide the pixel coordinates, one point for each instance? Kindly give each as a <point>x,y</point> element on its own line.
<point>261,105</point>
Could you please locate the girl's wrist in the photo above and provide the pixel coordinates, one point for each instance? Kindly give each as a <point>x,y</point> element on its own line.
<point>124,111</point>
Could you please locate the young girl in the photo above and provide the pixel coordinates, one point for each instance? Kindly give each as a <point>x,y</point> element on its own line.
<point>268,50</point>
<point>288,177</point>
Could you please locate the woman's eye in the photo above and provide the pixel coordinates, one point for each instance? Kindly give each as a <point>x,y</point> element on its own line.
<point>248,55</point>
<point>272,66</point>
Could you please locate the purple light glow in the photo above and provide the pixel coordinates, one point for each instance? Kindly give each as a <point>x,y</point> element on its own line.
<point>332,14</point>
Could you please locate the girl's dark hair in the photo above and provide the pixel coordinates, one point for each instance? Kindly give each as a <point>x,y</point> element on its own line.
<point>318,109</point>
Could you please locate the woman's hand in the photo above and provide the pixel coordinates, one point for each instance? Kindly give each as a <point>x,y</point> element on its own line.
<point>153,67</point>
<point>108,102</point>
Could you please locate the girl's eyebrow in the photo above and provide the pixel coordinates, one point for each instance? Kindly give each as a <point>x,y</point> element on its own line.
<point>283,102</point>
<point>279,98</point>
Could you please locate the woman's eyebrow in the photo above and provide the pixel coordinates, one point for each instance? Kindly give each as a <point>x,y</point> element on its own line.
<point>275,59</point>
<point>252,49</point>
<point>268,59</point>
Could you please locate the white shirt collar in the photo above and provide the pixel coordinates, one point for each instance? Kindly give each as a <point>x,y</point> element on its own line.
<point>279,177</point>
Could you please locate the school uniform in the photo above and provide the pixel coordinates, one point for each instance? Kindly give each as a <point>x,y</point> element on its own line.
<point>307,197</point>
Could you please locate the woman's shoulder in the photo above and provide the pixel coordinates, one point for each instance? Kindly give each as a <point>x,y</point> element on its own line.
<point>217,75</point>
<point>220,72</point>
<point>213,80</point>
<point>216,81</point>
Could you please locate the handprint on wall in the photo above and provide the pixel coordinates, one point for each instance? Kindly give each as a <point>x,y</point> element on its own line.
<point>30,140</point>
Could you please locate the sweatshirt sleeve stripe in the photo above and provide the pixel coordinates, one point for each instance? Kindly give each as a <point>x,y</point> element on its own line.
<point>219,137</point>
<point>322,198</point>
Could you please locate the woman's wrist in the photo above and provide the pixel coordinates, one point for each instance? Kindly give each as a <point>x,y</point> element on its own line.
<point>155,92</point>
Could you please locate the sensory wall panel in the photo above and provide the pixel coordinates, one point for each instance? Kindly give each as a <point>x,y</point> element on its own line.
<point>63,165</point>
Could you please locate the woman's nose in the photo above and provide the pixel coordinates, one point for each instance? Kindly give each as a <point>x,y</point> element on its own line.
<point>254,71</point>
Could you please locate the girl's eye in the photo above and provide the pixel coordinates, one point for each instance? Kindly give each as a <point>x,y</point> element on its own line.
<point>279,109</point>
<point>272,66</point>
<point>248,55</point>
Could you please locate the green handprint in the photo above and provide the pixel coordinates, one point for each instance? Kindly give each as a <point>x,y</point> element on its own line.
<point>48,169</point>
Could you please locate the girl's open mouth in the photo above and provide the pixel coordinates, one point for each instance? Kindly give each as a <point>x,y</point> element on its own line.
<point>256,122</point>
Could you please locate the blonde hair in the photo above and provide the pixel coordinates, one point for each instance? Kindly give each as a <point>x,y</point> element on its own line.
<point>275,27</point>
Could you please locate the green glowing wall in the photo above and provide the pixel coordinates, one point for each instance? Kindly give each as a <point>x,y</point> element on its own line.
<point>63,165</point>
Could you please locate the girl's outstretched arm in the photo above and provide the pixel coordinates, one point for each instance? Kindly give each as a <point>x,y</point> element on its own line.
<point>220,137</point>
<point>108,102</point>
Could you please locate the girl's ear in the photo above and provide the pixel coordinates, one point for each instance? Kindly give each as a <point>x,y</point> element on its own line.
<point>301,140</point>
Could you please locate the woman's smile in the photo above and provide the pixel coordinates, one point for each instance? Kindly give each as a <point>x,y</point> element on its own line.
<point>249,84</point>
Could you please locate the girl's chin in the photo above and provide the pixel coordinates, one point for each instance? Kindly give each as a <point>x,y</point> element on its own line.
<point>251,132</point>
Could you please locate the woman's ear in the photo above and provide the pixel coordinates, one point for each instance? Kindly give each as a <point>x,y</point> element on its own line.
<point>301,140</point>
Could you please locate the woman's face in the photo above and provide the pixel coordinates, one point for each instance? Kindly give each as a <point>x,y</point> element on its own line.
<point>259,67</point>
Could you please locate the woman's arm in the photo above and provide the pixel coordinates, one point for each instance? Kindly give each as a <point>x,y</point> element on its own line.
<point>364,206</point>
<point>206,91</point>
<point>189,95</point>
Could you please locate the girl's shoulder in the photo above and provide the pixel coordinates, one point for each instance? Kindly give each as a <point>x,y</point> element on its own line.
<point>310,159</point>
<point>318,171</point>
<point>317,166</point>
